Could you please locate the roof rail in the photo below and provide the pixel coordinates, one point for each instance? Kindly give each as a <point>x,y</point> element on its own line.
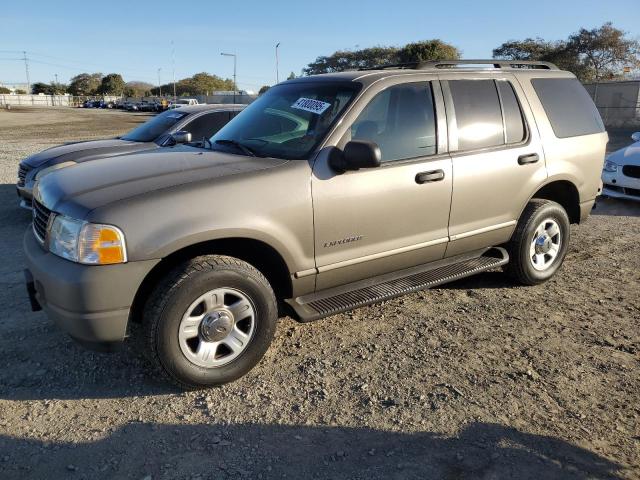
<point>495,63</point>
<point>440,64</point>
<point>389,66</point>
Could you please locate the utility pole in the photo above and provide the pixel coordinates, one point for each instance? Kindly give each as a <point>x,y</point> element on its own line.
<point>56,75</point>
<point>277,70</point>
<point>159,83</point>
<point>173,62</point>
<point>26,67</point>
<point>235,84</point>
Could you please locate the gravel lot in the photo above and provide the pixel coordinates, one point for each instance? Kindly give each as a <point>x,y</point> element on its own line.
<point>477,379</point>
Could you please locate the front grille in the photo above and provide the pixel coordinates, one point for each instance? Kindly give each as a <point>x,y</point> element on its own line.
<point>41,216</point>
<point>22,175</point>
<point>632,171</point>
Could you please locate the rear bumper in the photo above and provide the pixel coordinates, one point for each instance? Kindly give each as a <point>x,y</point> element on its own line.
<point>90,303</point>
<point>585,209</point>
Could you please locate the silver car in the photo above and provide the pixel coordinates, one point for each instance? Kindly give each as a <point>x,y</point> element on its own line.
<point>201,121</point>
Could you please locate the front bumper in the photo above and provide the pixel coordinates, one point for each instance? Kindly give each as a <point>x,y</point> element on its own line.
<point>91,303</point>
<point>25,194</point>
<point>617,185</point>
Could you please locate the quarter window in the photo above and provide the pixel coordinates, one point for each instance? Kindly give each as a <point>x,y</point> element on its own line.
<point>569,107</point>
<point>401,121</point>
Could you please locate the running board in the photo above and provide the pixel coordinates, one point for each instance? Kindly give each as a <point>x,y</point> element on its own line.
<point>364,292</point>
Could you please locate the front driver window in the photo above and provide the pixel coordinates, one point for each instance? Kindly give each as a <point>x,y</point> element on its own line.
<point>401,121</point>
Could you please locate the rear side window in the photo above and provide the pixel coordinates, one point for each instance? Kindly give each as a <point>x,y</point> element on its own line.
<point>478,113</point>
<point>401,121</point>
<point>569,107</point>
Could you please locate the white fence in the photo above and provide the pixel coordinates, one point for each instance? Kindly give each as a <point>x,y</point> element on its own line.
<point>45,100</point>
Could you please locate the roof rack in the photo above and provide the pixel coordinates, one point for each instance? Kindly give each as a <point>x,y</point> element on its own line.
<point>496,64</point>
<point>441,64</point>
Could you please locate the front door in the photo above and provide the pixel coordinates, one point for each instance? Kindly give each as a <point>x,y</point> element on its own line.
<point>384,219</point>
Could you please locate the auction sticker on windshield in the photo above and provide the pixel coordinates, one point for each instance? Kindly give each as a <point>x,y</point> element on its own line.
<point>311,105</point>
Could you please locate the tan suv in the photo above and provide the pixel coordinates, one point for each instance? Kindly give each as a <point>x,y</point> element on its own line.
<point>327,193</point>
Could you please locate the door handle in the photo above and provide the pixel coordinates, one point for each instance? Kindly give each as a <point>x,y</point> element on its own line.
<point>430,176</point>
<point>528,158</point>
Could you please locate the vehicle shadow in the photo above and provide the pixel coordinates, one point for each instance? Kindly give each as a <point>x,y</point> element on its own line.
<point>489,280</point>
<point>616,207</point>
<point>216,450</point>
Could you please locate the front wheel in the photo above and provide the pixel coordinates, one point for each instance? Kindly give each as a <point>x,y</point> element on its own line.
<point>539,244</point>
<point>209,322</point>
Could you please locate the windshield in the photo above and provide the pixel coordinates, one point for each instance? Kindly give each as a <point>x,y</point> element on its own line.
<point>288,121</point>
<point>152,129</point>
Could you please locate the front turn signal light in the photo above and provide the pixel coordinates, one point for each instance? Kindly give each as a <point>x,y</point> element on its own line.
<point>101,245</point>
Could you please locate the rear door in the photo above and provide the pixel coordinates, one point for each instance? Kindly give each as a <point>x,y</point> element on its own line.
<point>497,158</point>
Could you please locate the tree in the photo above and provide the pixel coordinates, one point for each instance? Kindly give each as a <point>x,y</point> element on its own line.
<point>4,90</point>
<point>381,55</point>
<point>605,51</point>
<point>537,49</point>
<point>263,89</point>
<point>199,84</point>
<point>589,54</point>
<point>138,89</point>
<point>427,50</point>
<point>85,84</point>
<point>291,76</point>
<point>112,84</point>
<point>19,91</point>
<point>40,87</point>
<point>351,60</point>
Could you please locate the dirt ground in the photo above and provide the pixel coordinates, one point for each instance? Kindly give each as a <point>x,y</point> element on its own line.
<point>479,379</point>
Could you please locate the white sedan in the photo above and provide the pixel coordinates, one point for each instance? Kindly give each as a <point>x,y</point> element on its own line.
<point>621,172</point>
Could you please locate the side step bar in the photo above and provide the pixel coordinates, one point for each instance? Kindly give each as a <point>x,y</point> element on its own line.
<point>347,297</point>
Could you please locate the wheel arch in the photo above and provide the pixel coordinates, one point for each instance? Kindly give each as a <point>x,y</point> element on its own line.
<point>561,191</point>
<point>257,253</point>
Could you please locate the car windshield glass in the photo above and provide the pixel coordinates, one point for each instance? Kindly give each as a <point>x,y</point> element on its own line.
<point>152,129</point>
<point>288,121</point>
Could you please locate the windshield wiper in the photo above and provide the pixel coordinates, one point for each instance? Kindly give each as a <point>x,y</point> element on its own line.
<point>246,150</point>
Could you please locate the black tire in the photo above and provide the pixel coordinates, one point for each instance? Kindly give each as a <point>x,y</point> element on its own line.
<point>170,300</point>
<point>520,266</point>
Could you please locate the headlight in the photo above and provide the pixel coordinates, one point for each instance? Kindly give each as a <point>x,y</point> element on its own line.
<point>48,170</point>
<point>610,166</point>
<point>88,243</point>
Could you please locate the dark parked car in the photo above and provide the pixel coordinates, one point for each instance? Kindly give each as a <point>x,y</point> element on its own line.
<point>200,121</point>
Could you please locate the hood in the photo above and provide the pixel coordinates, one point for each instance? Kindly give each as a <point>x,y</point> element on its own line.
<point>626,156</point>
<point>77,190</point>
<point>83,151</point>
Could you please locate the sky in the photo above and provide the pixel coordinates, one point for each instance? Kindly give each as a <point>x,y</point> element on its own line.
<point>135,38</point>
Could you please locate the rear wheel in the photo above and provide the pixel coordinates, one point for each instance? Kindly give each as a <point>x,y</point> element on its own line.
<point>209,322</point>
<point>539,243</point>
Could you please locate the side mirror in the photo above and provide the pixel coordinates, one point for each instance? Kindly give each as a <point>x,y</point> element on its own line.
<point>636,137</point>
<point>357,154</point>
<point>181,137</point>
